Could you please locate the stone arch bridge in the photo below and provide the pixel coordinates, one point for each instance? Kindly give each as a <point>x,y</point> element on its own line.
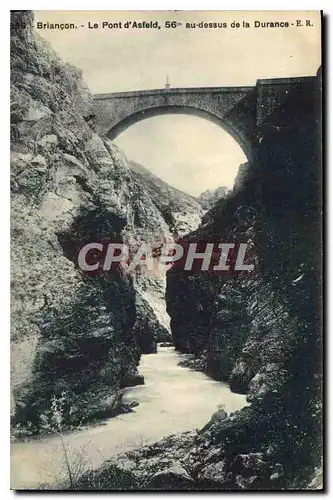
<point>239,110</point>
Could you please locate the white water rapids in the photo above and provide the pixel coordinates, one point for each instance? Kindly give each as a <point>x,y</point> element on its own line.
<point>173,399</point>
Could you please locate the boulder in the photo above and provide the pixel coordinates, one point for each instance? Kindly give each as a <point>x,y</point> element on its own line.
<point>216,474</point>
<point>173,478</point>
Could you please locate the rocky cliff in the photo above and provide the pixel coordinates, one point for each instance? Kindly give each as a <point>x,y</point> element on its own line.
<point>260,330</point>
<point>75,337</point>
<point>182,212</point>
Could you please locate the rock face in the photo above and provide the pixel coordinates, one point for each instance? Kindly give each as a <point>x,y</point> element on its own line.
<point>246,325</point>
<point>258,330</point>
<point>71,335</point>
<point>147,328</point>
<point>209,197</point>
<point>172,478</point>
<point>181,212</point>
<point>75,338</point>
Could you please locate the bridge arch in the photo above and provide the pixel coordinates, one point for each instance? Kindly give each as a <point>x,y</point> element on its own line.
<point>153,111</point>
<point>232,108</point>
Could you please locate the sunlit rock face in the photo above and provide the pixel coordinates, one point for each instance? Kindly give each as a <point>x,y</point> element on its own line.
<point>73,335</point>
<point>181,211</point>
<point>70,335</point>
<point>181,214</point>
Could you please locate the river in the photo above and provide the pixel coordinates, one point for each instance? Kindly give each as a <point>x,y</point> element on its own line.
<point>173,399</point>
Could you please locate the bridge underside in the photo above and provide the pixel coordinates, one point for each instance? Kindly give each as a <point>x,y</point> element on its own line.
<point>164,110</point>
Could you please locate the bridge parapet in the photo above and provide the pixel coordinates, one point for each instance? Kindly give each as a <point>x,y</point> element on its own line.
<point>175,90</point>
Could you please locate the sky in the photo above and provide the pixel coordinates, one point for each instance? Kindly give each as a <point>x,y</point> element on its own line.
<point>190,153</point>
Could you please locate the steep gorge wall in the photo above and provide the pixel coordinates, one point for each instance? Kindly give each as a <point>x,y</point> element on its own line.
<point>261,330</point>
<point>73,335</point>
<point>182,213</point>
<point>237,320</point>
<point>70,334</point>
